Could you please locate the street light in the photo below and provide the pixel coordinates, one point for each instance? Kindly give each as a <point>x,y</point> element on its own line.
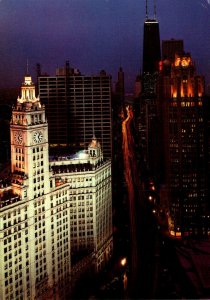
<point>150,198</point>
<point>123,261</point>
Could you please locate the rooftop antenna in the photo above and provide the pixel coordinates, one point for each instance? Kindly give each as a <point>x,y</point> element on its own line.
<point>155,13</point>
<point>146,10</point>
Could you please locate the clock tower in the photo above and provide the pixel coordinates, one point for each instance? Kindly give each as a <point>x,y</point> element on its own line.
<point>29,144</point>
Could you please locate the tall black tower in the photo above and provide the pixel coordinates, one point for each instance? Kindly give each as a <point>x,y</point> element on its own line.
<point>151,45</point>
<point>148,119</point>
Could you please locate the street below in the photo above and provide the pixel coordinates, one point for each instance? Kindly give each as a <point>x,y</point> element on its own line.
<point>146,244</point>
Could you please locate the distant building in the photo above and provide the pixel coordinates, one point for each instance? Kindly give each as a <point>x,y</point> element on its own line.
<point>138,86</point>
<point>77,107</point>
<point>181,99</point>
<point>172,47</point>
<point>5,116</point>
<point>42,210</point>
<point>120,87</point>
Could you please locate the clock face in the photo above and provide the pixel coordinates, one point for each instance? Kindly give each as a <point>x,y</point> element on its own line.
<point>18,137</point>
<point>37,137</point>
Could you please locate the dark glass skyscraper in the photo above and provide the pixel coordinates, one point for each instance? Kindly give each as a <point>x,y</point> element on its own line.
<point>151,46</point>
<point>148,126</point>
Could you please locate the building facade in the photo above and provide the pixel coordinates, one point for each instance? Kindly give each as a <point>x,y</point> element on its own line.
<point>35,259</point>
<point>89,179</point>
<point>35,210</point>
<point>77,107</point>
<point>181,104</point>
<point>172,47</point>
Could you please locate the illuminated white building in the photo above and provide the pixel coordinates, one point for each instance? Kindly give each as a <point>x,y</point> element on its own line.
<point>89,178</point>
<point>37,217</point>
<point>34,218</point>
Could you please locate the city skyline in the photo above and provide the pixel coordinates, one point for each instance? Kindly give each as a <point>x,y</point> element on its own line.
<point>95,35</point>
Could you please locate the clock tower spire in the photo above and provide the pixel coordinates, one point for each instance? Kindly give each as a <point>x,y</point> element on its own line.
<point>29,144</point>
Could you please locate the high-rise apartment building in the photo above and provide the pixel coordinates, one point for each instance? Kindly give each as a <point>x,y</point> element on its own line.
<point>77,107</point>
<point>39,209</point>
<point>181,103</point>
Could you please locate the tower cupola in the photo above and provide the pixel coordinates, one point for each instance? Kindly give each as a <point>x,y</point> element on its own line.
<point>94,149</point>
<point>28,91</point>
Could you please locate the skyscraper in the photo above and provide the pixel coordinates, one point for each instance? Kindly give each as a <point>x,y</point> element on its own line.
<point>172,47</point>
<point>77,107</point>
<point>181,101</point>
<point>151,46</point>
<point>147,119</point>
<point>120,87</point>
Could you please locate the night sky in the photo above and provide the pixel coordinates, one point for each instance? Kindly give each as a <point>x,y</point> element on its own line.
<point>95,35</point>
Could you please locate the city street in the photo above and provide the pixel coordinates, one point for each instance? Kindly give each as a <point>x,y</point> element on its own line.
<point>130,173</point>
<point>146,263</point>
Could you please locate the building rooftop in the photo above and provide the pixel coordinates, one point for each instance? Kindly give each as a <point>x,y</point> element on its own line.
<point>83,160</point>
<point>81,155</point>
<point>7,197</point>
<point>71,168</point>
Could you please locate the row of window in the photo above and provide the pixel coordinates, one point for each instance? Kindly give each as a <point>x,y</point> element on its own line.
<point>78,191</point>
<point>81,197</point>
<point>35,157</point>
<point>37,149</point>
<point>81,215</point>
<point>14,228</point>
<point>38,171</point>
<point>38,164</point>
<point>19,150</point>
<point>20,158</point>
<point>39,203</point>
<point>38,187</point>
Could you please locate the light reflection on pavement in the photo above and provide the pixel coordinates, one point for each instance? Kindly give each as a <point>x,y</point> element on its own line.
<point>130,169</point>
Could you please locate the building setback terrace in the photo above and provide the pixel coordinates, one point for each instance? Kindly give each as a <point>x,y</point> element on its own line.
<point>7,197</point>
<point>75,168</point>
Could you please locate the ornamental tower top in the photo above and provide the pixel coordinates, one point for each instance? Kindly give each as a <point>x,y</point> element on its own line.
<point>28,91</point>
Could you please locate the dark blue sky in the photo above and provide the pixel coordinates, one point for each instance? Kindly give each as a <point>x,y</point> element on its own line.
<point>95,35</point>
